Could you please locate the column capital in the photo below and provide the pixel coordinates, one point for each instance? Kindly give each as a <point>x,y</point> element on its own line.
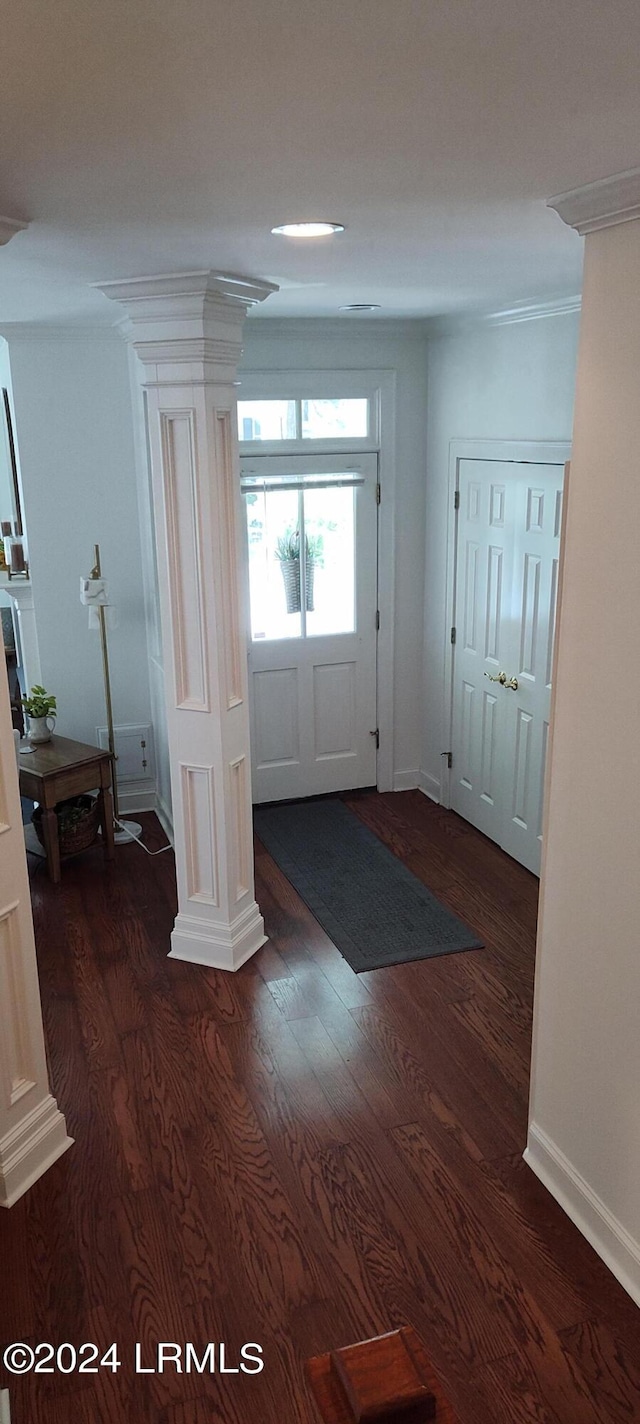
<point>186,317</point>
<point>603,204</point>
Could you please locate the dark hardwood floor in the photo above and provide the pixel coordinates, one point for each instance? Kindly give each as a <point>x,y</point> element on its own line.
<point>302,1157</point>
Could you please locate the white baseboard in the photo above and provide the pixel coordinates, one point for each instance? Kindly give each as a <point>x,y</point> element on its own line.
<point>30,1147</point>
<point>406,780</point>
<point>609,1238</point>
<point>430,785</point>
<point>417,781</point>
<point>136,796</point>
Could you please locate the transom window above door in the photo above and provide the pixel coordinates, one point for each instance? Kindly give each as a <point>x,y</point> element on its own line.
<point>304,418</point>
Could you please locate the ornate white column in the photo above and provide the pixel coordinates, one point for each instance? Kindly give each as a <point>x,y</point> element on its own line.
<point>33,1133</point>
<point>187,332</point>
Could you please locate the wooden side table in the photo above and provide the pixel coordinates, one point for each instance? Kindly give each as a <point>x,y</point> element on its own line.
<point>58,769</point>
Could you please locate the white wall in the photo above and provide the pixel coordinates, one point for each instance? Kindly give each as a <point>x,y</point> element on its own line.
<point>584,1138</point>
<point>271,345</point>
<point>501,382</point>
<point>74,432</point>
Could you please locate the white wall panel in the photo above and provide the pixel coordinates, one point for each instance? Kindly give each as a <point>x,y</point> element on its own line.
<point>489,749</point>
<point>470,622</point>
<point>468,709</point>
<point>276,716</point>
<point>494,603</point>
<point>521,770</point>
<point>334,707</point>
<point>530,606</point>
<point>17,1053</point>
<point>183,521</point>
<point>200,833</point>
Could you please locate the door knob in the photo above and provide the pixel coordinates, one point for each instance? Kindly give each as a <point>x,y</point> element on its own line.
<point>501,677</point>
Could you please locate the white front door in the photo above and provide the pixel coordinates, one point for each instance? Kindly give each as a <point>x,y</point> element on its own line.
<point>506,584</point>
<point>312,557</point>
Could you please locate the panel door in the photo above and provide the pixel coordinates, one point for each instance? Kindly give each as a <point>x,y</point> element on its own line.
<point>536,554</point>
<point>312,558</point>
<point>506,582</point>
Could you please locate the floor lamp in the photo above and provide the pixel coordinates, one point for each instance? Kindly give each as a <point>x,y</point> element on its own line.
<point>94,595</point>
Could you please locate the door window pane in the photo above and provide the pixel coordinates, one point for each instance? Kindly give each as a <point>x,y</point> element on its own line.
<point>335,419</point>
<point>274,571</point>
<point>267,420</point>
<point>329,528</point>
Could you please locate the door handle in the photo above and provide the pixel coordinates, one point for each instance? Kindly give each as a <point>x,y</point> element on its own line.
<point>501,677</point>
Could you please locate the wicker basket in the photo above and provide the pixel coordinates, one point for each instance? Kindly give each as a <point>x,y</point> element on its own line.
<point>291,578</point>
<point>77,833</point>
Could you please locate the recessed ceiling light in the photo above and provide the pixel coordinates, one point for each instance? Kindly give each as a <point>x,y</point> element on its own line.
<point>362,306</point>
<point>308,229</point>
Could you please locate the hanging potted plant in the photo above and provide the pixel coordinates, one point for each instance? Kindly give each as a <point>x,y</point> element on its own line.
<point>40,708</point>
<point>287,552</point>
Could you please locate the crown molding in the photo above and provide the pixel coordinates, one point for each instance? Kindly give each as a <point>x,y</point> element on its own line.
<point>9,227</point>
<point>462,323</point>
<point>328,327</point>
<point>50,331</point>
<point>603,204</point>
<point>534,311</point>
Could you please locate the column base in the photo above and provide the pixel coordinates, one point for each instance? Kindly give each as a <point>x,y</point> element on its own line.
<point>220,946</point>
<point>30,1148</point>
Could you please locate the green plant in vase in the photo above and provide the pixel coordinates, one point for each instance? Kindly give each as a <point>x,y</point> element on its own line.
<point>40,707</point>
<point>287,552</point>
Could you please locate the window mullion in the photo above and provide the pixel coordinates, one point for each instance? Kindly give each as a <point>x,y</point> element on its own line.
<point>303,565</point>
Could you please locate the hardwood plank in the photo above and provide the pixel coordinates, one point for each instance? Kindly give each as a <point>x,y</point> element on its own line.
<point>503,1287</point>
<point>259,1216</point>
<point>512,1386</point>
<point>612,1369</point>
<point>532,1213</point>
<point>427,1058</point>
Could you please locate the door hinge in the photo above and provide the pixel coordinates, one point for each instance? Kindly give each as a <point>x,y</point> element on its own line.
<point>378,494</point>
<point>456,499</point>
<point>453,635</point>
<point>376,734</point>
<point>377,620</point>
<point>449,760</point>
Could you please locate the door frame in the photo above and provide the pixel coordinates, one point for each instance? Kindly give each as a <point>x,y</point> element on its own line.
<point>515,452</point>
<point>379,386</point>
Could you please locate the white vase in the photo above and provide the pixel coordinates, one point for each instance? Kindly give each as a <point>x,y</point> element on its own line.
<point>39,729</point>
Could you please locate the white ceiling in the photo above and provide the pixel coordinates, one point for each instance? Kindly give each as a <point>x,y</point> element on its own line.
<point>143,136</point>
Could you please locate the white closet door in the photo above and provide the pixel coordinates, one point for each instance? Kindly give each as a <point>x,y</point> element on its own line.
<point>506,579</point>
<point>536,553</point>
<point>312,657</point>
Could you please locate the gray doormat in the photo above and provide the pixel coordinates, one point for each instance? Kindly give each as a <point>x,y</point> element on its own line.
<point>375,910</point>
